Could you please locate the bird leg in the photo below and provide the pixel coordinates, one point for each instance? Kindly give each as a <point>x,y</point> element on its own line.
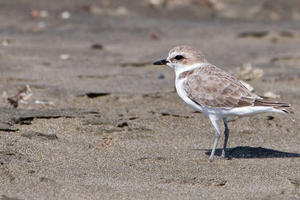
<point>226,133</point>
<point>214,121</point>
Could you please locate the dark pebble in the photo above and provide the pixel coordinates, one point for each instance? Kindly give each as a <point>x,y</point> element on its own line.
<point>160,76</point>
<point>97,46</point>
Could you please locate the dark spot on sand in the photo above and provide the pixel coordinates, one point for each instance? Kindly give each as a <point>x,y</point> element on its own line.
<point>33,134</point>
<point>96,94</point>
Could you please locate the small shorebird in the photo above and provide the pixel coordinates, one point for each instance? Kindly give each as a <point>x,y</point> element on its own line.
<point>214,92</point>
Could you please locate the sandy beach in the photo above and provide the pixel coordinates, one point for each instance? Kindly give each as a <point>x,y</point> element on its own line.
<point>99,121</point>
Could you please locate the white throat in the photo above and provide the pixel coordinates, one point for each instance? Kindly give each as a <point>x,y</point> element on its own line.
<point>179,70</point>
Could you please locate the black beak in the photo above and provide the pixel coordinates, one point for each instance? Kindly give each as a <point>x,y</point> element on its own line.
<point>161,62</point>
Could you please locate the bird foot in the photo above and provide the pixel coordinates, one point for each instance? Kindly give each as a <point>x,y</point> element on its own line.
<point>223,155</point>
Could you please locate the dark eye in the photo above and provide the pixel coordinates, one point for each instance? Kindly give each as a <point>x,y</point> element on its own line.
<point>178,57</point>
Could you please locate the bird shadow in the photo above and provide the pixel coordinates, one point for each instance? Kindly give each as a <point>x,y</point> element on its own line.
<point>247,152</point>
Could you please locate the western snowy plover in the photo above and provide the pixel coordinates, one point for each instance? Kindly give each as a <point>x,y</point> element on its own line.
<point>214,92</point>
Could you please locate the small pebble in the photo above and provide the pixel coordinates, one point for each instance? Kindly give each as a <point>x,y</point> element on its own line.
<point>39,14</point>
<point>97,46</point>
<point>35,14</point>
<point>65,15</point>
<point>42,25</point>
<point>270,117</point>
<point>44,13</point>
<point>121,11</point>
<point>154,36</point>
<point>160,76</point>
<point>44,102</point>
<point>64,56</point>
<point>4,43</point>
<point>157,3</point>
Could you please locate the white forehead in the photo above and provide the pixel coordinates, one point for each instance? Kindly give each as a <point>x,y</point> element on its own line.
<point>173,54</point>
<point>185,51</point>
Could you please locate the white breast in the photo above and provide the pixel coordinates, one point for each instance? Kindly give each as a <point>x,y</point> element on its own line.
<point>179,84</point>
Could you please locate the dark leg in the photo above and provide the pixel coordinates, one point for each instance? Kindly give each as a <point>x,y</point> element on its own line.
<point>226,133</point>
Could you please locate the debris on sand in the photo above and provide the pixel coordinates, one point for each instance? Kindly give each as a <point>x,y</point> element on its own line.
<point>5,42</point>
<point>271,95</point>
<point>248,73</point>
<point>44,102</point>
<point>95,10</point>
<point>177,3</point>
<point>106,142</point>
<point>286,60</point>
<point>34,134</point>
<point>160,76</point>
<point>135,64</point>
<point>157,3</point>
<point>120,11</point>
<point>36,14</point>
<point>154,36</point>
<point>253,34</point>
<point>97,46</point>
<point>22,96</point>
<point>65,15</point>
<point>273,36</point>
<point>39,27</point>
<point>64,56</point>
<point>295,181</point>
<point>174,3</point>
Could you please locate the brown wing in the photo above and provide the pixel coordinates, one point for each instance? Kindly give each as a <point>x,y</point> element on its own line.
<point>213,87</point>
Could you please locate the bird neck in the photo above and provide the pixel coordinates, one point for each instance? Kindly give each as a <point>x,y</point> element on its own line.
<point>180,71</point>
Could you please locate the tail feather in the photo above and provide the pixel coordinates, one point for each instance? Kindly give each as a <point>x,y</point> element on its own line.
<point>284,110</point>
<point>272,103</point>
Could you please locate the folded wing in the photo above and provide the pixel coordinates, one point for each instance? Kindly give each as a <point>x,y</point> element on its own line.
<point>212,87</point>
